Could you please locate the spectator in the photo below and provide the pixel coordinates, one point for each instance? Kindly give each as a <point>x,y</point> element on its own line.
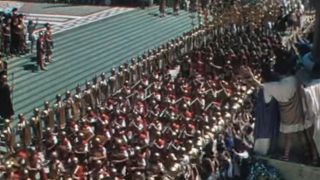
<point>287,93</point>
<point>6,108</point>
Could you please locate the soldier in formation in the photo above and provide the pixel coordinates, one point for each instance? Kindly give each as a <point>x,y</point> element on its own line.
<point>187,115</point>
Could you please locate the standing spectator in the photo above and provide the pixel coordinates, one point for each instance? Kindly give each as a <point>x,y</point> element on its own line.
<point>6,108</point>
<point>31,34</point>
<point>21,40</point>
<point>48,43</point>
<point>41,51</point>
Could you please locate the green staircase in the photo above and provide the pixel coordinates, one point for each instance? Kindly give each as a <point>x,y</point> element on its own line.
<point>89,50</point>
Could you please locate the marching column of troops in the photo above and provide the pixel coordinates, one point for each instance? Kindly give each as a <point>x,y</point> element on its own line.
<point>14,35</point>
<point>178,112</point>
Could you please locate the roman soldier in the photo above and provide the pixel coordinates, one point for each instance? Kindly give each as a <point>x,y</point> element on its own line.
<point>69,106</point>
<point>174,146</point>
<point>99,171</point>
<point>34,166</point>
<point>81,147</point>
<point>158,146</point>
<point>120,158</point>
<point>36,125</point>
<point>102,124</point>
<point>162,8</point>
<point>56,167</point>
<point>64,145</point>
<point>51,141</point>
<point>174,169</point>
<point>60,113</point>
<point>9,135</point>
<point>96,92</point>
<point>78,103</point>
<point>48,39</point>
<point>126,73</point>
<point>112,82</point>
<point>103,85</point>
<point>41,51</point>
<point>24,131</point>
<point>88,97</point>
<point>48,116</point>
<point>79,172</point>
<point>133,71</point>
<point>98,151</point>
<point>140,68</point>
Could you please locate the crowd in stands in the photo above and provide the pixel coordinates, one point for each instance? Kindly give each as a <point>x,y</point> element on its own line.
<point>182,111</point>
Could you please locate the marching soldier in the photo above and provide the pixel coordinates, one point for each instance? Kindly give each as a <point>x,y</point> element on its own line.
<point>9,135</point>
<point>103,85</point>
<point>78,103</point>
<point>51,142</point>
<point>96,92</point>
<point>59,111</point>
<point>133,71</point>
<point>48,116</point>
<point>48,42</point>
<point>24,131</point>
<point>98,151</point>
<point>36,125</point>
<point>41,51</point>
<point>64,146</point>
<point>56,167</point>
<point>7,37</point>
<point>112,82</point>
<point>88,97</point>
<point>69,108</point>
<point>120,77</point>
<point>127,74</point>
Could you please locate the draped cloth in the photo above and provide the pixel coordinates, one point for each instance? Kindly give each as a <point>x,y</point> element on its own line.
<point>291,115</point>
<point>312,108</point>
<point>287,92</point>
<point>266,130</point>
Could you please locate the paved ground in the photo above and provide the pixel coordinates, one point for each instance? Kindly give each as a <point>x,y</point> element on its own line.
<point>49,8</point>
<point>88,50</point>
<point>62,16</point>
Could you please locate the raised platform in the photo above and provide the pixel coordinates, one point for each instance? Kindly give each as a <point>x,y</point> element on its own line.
<point>89,50</point>
<point>294,171</point>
